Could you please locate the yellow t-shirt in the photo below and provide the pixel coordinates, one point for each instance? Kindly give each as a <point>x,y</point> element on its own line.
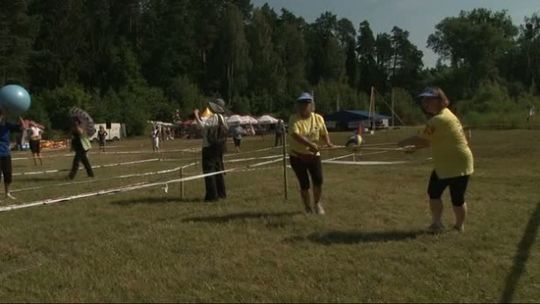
<point>452,156</point>
<point>312,128</point>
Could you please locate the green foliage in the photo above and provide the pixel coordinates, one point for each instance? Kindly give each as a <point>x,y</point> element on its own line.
<point>474,40</point>
<point>57,103</point>
<point>493,107</point>
<point>131,60</point>
<point>17,33</point>
<point>186,94</point>
<point>333,96</point>
<point>405,107</point>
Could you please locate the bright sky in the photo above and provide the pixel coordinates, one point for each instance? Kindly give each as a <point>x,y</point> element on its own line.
<point>419,17</point>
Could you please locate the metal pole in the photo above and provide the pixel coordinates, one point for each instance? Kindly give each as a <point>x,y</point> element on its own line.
<point>284,150</point>
<point>182,189</point>
<point>393,115</point>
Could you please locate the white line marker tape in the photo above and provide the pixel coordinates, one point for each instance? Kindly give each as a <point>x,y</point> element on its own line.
<point>93,167</point>
<point>251,158</point>
<point>365,163</point>
<point>118,190</point>
<point>101,179</point>
<point>339,157</point>
<point>109,191</point>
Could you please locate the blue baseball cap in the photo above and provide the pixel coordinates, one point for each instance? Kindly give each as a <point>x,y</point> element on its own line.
<point>305,97</point>
<point>429,92</point>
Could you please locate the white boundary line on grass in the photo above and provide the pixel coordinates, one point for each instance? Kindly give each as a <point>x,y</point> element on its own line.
<point>110,191</point>
<point>165,183</point>
<point>365,162</point>
<point>93,167</point>
<point>108,178</point>
<point>122,189</point>
<point>189,150</point>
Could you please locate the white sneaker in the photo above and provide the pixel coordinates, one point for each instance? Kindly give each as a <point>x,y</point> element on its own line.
<point>319,209</point>
<point>9,195</point>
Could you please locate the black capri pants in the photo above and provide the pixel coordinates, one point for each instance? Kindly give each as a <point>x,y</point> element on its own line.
<point>306,166</point>
<point>5,169</point>
<point>35,146</point>
<point>458,187</point>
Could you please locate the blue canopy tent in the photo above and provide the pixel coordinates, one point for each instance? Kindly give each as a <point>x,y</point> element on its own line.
<point>349,119</point>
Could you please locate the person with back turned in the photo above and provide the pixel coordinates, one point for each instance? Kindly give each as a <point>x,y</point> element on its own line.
<point>215,131</point>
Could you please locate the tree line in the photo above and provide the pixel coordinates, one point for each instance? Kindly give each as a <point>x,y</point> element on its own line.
<point>136,60</point>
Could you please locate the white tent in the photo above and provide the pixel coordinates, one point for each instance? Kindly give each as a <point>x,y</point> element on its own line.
<point>267,120</point>
<point>250,120</point>
<point>236,120</point>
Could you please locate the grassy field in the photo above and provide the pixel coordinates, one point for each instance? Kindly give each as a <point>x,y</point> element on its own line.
<point>148,245</point>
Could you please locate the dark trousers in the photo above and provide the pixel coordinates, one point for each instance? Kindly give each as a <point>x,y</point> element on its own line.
<point>278,140</point>
<point>212,161</point>
<point>80,156</point>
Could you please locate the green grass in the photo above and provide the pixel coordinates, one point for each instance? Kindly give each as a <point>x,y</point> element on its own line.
<point>148,245</point>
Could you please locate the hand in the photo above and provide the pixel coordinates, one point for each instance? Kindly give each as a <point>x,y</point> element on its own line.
<point>196,112</point>
<point>23,124</point>
<point>314,148</point>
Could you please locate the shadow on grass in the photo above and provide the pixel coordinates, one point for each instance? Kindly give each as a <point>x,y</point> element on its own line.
<point>154,200</point>
<point>355,237</point>
<point>57,178</point>
<point>240,216</point>
<point>522,254</point>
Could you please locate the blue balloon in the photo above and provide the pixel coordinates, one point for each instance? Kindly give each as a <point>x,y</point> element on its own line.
<point>14,99</point>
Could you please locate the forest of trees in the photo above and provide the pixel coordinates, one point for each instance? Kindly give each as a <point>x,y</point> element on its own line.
<point>135,60</point>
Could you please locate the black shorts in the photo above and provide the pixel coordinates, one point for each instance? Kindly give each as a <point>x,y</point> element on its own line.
<point>458,187</point>
<point>304,165</point>
<point>237,142</point>
<point>35,146</point>
<point>5,168</point>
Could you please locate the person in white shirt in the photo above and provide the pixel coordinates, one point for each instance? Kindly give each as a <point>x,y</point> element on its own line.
<point>35,143</point>
<point>532,111</point>
<point>215,131</point>
<point>155,138</point>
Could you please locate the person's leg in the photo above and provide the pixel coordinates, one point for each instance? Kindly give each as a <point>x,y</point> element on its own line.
<point>306,199</point>
<point>75,165</point>
<point>209,181</point>
<point>33,150</point>
<point>460,212</point>
<point>458,187</point>
<point>8,175</point>
<point>436,208</point>
<point>220,178</point>
<point>436,188</point>
<point>38,150</point>
<point>86,163</point>
<point>315,170</point>
<point>303,179</point>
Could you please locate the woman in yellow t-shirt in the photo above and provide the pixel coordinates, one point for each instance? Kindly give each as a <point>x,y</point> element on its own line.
<point>452,157</point>
<point>305,131</point>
